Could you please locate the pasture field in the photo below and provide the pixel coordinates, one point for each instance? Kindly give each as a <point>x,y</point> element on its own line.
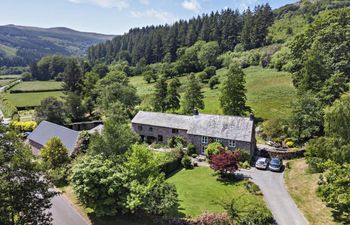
<point>31,99</point>
<point>269,92</point>
<point>5,82</point>
<point>29,86</point>
<point>10,76</point>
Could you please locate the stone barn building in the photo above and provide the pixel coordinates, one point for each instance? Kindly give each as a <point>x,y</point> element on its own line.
<point>199,129</point>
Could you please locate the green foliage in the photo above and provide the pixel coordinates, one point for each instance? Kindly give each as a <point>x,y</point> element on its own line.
<point>147,189</point>
<point>25,193</point>
<point>337,118</point>
<point>245,214</point>
<point>334,189</point>
<point>307,119</point>
<point>273,128</point>
<point>115,139</point>
<point>186,162</point>
<point>23,126</point>
<point>173,96</point>
<point>233,98</point>
<point>50,109</point>
<point>74,108</point>
<point>212,149</point>
<point>213,82</point>
<point>72,77</point>
<point>160,101</point>
<point>253,188</point>
<point>54,153</point>
<point>314,54</point>
<point>26,76</point>
<point>202,76</point>
<point>104,195</point>
<point>208,54</point>
<point>191,149</point>
<point>333,88</point>
<point>193,96</point>
<point>281,59</point>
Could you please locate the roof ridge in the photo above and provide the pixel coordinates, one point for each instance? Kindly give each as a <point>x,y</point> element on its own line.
<point>57,125</point>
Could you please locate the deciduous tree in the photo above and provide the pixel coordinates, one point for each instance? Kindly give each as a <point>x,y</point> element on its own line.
<point>193,97</point>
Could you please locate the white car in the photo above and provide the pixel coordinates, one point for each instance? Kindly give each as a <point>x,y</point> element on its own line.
<point>262,163</point>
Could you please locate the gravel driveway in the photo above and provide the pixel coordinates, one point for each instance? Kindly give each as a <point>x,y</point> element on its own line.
<point>277,197</point>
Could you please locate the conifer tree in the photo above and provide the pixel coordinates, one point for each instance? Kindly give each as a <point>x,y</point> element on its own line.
<point>233,98</point>
<point>160,95</point>
<point>173,95</point>
<point>193,97</point>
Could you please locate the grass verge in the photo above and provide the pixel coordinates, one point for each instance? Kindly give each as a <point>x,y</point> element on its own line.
<point>302,186</point>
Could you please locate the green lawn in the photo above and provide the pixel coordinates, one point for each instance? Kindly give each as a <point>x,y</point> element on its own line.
<point>200,191</point>
<point>269,92</point>
<point>37,86</point>
<point>31,99</point>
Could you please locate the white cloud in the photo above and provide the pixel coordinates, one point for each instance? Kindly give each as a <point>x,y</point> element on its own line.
<point>192,5</point>
<point>120,4</point>
<point>163,16</point>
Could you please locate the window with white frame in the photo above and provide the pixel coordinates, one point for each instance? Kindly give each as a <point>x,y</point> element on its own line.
<point>204,140</point>
<point>218,140</point>
<point>231,143</point>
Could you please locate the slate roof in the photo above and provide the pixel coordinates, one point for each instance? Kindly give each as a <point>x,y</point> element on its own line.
<point>47,130</point>
<point>97,129</point>
<point>216,126</point>
<point>163,120</point>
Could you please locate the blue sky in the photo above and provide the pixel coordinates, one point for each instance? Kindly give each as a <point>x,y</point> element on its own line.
<point>113,16</point>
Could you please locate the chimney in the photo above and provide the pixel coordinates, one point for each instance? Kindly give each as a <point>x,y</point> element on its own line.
<point>195,112</point>
<point>251,116</point>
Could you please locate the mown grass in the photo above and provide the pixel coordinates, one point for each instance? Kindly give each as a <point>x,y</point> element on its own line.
<point>31,99</point>
<point>37,86</point>
<point>269,92</point>
<point>200,191</point>
<point>302,186</point>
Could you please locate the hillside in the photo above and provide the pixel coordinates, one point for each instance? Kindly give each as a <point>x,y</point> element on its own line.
<point>20,45</point>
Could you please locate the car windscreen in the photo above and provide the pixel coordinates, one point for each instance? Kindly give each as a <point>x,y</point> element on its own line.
<point>275,162</point>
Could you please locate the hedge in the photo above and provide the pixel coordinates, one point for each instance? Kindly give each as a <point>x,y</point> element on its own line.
<point>34,91</point>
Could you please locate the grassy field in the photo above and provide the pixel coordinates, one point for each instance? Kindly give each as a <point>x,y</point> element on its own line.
<point>269,92</point>
<point>200,191</point>
<point>31,99</point>
<point>5,82</point>
<point>302,186</point>
<point>37,86</point>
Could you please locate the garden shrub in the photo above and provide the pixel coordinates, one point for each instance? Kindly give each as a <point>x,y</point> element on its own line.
<point>191,149</point>
<point>212,149</point>
<point>213,218</point>
<point>23,126</point>
<point>59,176</point>
<point>213,82</point>
<point>194,155</point>
<point>290,144</point>
<point>186,162</point>
<point>252,188</point>
<point>244,165</point>
<point>244,156</point>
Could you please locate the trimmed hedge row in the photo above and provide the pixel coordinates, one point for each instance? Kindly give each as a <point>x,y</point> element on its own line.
<point>170,167</point>
<point>34,91</point>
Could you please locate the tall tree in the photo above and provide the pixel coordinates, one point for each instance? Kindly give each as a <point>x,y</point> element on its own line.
<point>72,77</point>
<point>160,101</point>
<point>24,191</point>
<point>193,97</point>
<point>54,153</point>
<point>173,96</point>
<point>50,109</point>
<point>233,98</point>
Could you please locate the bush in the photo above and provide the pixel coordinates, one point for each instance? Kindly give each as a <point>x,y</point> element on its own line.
<point>252,188</point>
<point>212,149</point>
<point>202,76</point>
<point>213,82</point>
<point>194,155</point>
<point>210,71</point>
<point>26,76</point>
<point>23,126</point>
<point>191,149</point>
<point>245,165</point>
<point>290,144</point>
<point>58,176</point>
<point>244,156</point>
<point>213,219</point>
<point>186,162</point>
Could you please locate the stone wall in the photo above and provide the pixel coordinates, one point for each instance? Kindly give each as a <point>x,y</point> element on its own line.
<point>285,155</point>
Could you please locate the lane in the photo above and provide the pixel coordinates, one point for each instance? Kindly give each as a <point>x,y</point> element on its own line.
<point>282,206</point>
<point>63,212</point>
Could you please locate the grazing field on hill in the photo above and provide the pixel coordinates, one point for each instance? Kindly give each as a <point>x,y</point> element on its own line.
<point>31,99</point>
<point>204,193</point>
<point>302,186</point>
<point>269,92</point>
<point>10,76</point>
<point>37,86</point>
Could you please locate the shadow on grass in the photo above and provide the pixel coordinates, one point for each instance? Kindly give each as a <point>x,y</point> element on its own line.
<point>230,179</point>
